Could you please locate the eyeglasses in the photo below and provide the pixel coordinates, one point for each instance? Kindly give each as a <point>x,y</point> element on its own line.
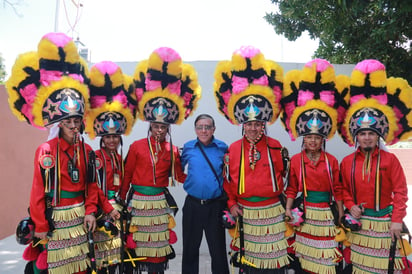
<point>204,127</point>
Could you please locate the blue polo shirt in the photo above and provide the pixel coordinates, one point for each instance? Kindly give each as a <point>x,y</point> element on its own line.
<point>201,181</point>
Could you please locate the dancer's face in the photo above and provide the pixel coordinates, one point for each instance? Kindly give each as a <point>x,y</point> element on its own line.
<point>367,140</point>
<point>313,142</point>
<point>69,128</point>
<point>159,130</point>
<point>253,129</point>
<point>111,142</point>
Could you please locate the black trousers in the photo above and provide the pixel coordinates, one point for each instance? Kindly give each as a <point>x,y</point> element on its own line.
<point>198,217</point>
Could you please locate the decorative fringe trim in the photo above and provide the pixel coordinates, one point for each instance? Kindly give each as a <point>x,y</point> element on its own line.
<point>72,267</point>
<point>317,252</point>
<point>68,233</point>
<point>263,230</point>
<point>117,207</point>
<point>269,263</point>
<point>318,213</point>
<point>375,224</point>
<point>374,262</point>
<point>152,236</point>
<point>315,267</point>
<point>370,241</point>
<point>68,213</point>
<point>109,245</point>
<point>318,229</point>
<point>144,204</point>
<point>67,253</point>
<point>263,213</point>
<point>153,252</point>
<point>150,220</point>
<point>265,248</point>
<point>357,269</point>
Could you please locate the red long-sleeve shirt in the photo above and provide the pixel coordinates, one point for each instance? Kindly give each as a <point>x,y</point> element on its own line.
<point>393,183</point>
<point>258,182</point>
<point>110,168</point>
<point>37,196</point>
<point>139,167</point>
<point>316,178</point>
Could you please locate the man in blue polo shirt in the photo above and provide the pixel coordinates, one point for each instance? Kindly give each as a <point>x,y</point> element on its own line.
<point>205,198</point>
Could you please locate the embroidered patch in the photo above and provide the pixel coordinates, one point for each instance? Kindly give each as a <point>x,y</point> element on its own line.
<point>47,161</point>
<point>99,163</point>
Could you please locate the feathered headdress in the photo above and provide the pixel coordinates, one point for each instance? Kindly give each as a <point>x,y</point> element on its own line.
<point>48,86</point>
<point>311,100</point>
<point>167,90</point>
<point>112,109</point>
<point>248,87</point>
<point>378,104</point>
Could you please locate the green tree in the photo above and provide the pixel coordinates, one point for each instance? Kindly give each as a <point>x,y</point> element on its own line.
<point>2,70</point>
<point>350,31</point>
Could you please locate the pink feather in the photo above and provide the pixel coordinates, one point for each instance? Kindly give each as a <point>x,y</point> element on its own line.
<point>239,84</point>
<point>304,96</point>
<point>262,81</point>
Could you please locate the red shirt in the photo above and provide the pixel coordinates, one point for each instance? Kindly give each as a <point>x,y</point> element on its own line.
<point>393,183</point>
<point>316,178</point>
<point>139,168</point>
<point>258,182</point>
<point>109,167</point>
<point>37,196</point>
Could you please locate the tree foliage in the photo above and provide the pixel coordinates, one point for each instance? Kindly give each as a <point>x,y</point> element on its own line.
<point>2,70</point>
<point>350,31</point>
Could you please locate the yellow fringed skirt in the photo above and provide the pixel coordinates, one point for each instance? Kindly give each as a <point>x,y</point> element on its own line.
<point>315,244</point>
<point>265,243</point>
<point>67,249</point>
<point>370,247</point>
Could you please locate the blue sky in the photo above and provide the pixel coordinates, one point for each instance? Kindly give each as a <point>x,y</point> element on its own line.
<point>129,30</point>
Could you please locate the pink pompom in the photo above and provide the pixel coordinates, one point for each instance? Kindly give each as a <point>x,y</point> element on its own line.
<point>41,262</point>
<point>30,253</point>
<point>321,64</point>
<point>107,67</point>
<point>58,38</point>
<point>167,54</point>
<point>172,237</point>
<point>247,51</point>
<point>369,66</point>
<point>130,243</point>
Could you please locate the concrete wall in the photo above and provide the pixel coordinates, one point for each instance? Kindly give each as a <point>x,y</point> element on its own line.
<point>19,141</point>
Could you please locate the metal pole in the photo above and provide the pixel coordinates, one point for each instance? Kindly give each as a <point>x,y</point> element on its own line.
<point>56,16</point>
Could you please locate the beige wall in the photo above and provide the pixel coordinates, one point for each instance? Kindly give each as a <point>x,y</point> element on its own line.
<point>18,142</point>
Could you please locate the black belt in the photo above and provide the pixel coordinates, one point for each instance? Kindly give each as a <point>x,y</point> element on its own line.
<point>201,201</point>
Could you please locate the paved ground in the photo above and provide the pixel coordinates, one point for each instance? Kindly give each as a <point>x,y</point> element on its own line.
<point>12,263</point>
